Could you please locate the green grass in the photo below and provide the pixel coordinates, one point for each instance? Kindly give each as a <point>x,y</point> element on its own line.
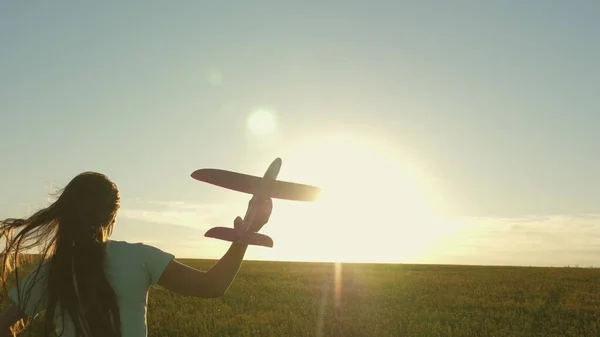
<point>297,299</point>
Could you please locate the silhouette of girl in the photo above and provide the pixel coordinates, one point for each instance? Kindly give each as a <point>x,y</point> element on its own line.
<point>88,285</point>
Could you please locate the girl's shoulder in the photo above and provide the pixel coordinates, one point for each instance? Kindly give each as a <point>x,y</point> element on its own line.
<point>127,255</point>
<point>128,246</point>
<point>136,251</point>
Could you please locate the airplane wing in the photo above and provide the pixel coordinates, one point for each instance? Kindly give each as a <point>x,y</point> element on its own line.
<point>249,184</point>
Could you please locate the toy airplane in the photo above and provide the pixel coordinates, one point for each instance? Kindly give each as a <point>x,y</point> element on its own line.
<point>262,189</point>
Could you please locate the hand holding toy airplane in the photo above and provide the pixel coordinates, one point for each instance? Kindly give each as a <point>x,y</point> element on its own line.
<point>262,189</point>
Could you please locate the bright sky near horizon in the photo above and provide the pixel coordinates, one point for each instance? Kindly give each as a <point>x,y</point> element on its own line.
<point>442,132</point>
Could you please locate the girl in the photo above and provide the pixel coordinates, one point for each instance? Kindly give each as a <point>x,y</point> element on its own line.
<point>88,285</point>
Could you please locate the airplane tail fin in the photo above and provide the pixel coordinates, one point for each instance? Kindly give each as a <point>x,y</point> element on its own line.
<point>230,234</point>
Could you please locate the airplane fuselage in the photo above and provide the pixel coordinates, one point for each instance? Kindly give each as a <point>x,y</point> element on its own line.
<point>260,197</point>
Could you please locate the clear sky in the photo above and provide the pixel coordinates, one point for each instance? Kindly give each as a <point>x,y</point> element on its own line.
<point>442,132</point>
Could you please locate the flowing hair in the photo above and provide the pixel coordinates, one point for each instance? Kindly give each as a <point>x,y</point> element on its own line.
<point>72,233</point>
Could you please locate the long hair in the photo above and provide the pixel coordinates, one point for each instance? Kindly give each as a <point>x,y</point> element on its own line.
<point>72,233</point>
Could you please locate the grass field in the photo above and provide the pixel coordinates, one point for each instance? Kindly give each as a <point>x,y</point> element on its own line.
<point>299,299</point>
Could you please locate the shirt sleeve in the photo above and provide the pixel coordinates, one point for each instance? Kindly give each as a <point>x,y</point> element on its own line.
<point>155,261</point>
<point>30,296</point>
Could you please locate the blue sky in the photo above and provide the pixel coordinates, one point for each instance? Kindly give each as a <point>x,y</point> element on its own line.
<point>490,109</point>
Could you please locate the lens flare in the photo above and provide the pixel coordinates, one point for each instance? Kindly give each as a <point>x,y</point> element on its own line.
<point>261,122</point>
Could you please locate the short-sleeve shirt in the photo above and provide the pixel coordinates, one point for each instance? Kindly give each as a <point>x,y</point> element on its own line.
<point>131,268</point>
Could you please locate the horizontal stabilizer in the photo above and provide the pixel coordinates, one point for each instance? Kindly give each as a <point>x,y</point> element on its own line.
<point>223,233</point>
<point>256,239</point>
<point>230,234</point>
<point>249,184</point>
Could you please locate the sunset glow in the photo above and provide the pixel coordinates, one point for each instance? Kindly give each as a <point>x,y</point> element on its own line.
<point>374,205</point>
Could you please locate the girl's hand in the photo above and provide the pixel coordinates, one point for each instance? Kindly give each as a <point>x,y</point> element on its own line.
<point>261,217</point>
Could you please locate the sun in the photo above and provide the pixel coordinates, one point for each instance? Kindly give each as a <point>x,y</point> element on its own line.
<point>262,121</point>
<point>373,207</point>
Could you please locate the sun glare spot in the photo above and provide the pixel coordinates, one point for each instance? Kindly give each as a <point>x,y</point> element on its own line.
<point>261,121</point>
<point>214,77</point>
